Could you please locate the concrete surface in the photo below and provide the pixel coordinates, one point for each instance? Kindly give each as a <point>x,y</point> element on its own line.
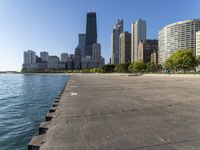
<point>99,112</point>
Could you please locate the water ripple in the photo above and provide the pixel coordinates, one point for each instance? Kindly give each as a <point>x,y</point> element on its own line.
<point>24,101</point>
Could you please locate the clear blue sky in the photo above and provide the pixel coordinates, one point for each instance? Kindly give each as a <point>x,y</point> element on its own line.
<point>53,25</point>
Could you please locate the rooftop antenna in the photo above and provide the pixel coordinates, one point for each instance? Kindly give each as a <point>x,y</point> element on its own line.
<point>94,4</point>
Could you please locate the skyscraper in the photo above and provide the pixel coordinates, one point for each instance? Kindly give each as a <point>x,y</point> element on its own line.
<point>117,30</point>
<point>91,33</point>
<point>81,43</point>
<point>125,47</point>
<point>138,33</point>
<point>177,36</point>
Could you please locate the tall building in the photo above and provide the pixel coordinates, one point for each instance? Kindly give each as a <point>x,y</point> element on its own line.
<point>138,33</point>
<point>177,36</point>
<point>44,56</point>
<point>145,50</point>
<point>125,47</point>
<point>29,57</point>
<point>91,33</point>
<point>96,48</point>
<point>198,44</point>
<point>77,59</point>
<point>81,43</point>
<point>64,57</point>
<point>117,30</point>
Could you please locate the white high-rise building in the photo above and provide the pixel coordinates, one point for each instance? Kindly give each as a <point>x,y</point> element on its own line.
<point>81,43</point>
<point>64,57</point>
<point>96,51</point>
<point>117,30</point>
<point>177,36</point>
<point>29,57</point>
<point>138,33</point>
<point>198,44</point>
<point>44,56</point>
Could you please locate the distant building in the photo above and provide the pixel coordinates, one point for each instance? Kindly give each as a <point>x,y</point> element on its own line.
<point>81,44</point>
<point>38,59</point>
<point>138,33</point>
<point>96,51</point>
<point>145,49</point>
<point>177,36</point>
<point>29,60</point>
<point>117,30</point>
<point>77,59</point>
<point>64,57</point>
<point>91,33</point>
<point>53,59</point>
<point>44,56</point>
<point>29,57</point>
<point>54,63</point>
<point>125,47</point>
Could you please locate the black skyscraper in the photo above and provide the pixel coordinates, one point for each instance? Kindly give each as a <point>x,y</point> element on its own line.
<point>91,33</point>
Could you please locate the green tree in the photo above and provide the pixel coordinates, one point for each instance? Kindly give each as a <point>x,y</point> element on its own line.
<point>137,66</point>
<point>181,60</point>
<point>151,67</point>
<point>108,68</point>
<point>122,68</point>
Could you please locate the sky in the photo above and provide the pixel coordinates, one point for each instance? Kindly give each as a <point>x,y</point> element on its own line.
<point>54,25</point>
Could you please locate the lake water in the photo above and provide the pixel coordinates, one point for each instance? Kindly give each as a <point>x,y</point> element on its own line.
<point>24,102</point>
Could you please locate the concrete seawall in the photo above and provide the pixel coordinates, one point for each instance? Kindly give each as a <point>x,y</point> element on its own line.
<point>103,112</point>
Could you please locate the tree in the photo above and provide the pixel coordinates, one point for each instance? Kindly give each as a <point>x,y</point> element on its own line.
<point>137,66</point>
<point>151,67</point>
<point>181,60</point>
<point>108,68</point>
<point>122,68</point>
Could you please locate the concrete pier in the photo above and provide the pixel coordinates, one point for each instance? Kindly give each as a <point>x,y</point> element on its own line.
<point>106,112</point>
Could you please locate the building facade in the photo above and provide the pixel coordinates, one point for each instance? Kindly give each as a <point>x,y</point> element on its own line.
<point>29,57</point>
<point>154,57</point>
<point>117,30</point>
<point>138,33</point>
<point>146,48</point>
<point>91,33</point>
<point>198,44</point>
<point>125,47</point>
<point>77,59</point>
<point>177,36</point>
<point>44,56</point>
<point>64,57</point>
<point>81,43</point>
<point>96,51</point>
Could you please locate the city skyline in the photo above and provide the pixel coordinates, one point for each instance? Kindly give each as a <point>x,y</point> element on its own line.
<point>54,26</point>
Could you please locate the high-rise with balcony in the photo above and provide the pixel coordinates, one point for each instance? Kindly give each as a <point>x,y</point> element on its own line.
<point>138,33</point>
<point>117,30</point>
<point>29,57</point>
<point>177,36</point>
<point>198,44</point>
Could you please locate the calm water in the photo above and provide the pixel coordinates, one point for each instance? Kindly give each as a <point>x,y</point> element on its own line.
<point>24,102</point>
